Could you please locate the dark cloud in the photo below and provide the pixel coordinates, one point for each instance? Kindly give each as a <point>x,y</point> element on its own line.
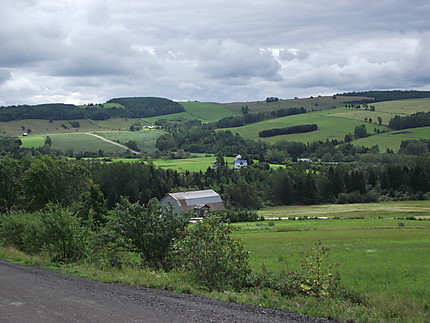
<point>82,51</point>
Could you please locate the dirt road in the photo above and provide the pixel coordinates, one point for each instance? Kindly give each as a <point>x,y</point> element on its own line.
<point>113,143</point>
<point>29,294</point>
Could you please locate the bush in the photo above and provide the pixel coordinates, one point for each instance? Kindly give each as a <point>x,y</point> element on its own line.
<point>148,230</point>
<point>211,256</point>
<point>55,230</point>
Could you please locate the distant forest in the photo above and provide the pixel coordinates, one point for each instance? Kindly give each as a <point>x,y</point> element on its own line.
<point>389,95</point>
<point>127,108</point>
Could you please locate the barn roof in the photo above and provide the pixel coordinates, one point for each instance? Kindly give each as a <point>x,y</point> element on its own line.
<point>190,200</point>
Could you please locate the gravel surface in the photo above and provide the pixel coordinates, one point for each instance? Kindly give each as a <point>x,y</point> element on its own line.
<point>31,294</point>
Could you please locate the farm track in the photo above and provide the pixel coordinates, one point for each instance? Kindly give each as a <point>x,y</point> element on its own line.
<point>31,294</point>
<point>113,143</point>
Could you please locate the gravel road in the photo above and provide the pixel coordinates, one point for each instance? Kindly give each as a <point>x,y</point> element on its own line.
<point>31,294</point>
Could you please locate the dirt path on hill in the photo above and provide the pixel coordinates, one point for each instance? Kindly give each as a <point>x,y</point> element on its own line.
<point>113,143</point>
<point>31,294</point>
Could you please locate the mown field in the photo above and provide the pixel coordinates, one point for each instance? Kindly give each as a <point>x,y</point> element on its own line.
<point>203,111</point>
<point>381,255</point>
<point>145,139</point>
<point>310,104</point>
<point>393,139</point>
<point>329,127</point>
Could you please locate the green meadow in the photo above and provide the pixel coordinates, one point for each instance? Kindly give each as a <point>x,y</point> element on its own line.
<point>81,142</point>
<point>403,107</point>
<point>203,111</point>
<point>310,104</point>
<point>329,127</point>
<point>145,139</point>
<point>380,253</point>
<point>393,139</point>
<point>189,164</point>
<point>33,141</point>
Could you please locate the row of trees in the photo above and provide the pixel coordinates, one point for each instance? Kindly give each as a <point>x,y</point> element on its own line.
<point>127,108</point>
<point>31,184</point>
<point>288,130</point>
<point>419,119</point>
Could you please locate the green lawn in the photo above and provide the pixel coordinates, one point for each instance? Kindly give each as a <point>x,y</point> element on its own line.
<point>189,164</point>
<point>386,259</point>
<point>32,141</point>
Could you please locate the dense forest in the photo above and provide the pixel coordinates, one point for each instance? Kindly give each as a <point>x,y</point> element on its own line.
<point>127,108</point>
<point>389,95</point>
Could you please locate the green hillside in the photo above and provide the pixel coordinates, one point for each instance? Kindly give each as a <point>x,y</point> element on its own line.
<point>203,111</point>
<point>393,139</point>
<point>329,127</point>
<point>310,104</point>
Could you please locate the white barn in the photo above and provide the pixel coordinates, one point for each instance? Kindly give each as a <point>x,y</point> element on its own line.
<point>196,201</point>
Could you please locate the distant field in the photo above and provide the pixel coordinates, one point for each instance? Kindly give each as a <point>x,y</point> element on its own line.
<point>385,259</point>
<point>203,111</point>
<point>189,164</point>
<point>32,141</point>
<point>403,106</point>
<point>310,104</point>
<point>41,127</point>
<point>117,123</point>
<point>145,139</point>
<point>329,127</point>
<point>393,139</point>
<point>362,115</point>
<point>80,142</point>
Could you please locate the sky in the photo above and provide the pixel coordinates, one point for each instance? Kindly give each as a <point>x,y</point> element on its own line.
<point>88,51</point>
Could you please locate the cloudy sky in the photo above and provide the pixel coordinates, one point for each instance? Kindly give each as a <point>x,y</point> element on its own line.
<point>81,51</point>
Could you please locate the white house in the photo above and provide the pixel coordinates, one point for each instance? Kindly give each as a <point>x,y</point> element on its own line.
<point>196,201</point>
<point>239,162</point>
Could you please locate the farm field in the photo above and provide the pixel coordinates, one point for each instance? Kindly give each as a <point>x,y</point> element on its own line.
<point>403,107</point>
<point>189,164</point>
<point>145,139</point>
<point>310,104</point>
<point>203,111</point>
<point>329,127</point>
<point>394,139</point>
<point>32,141</point>
<point>385,259</point>
<point>42,127</point>
<point>80,142</point>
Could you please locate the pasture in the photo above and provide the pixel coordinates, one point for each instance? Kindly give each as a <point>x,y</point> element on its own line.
<point>381,254</point>
<point>393,139</point>
<point>202,111</point>
<point>403,107</point>
<point>189,164</point>
<point>145,139</point>
<point>310,104</point>
<point>329,127</point>
<point>81,142</point>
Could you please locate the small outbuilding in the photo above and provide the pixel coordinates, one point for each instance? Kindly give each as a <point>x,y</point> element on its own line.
<point>199,202</point>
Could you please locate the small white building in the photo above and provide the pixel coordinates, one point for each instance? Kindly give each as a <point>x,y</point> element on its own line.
<point>239,162</point>
<point>197,201</point>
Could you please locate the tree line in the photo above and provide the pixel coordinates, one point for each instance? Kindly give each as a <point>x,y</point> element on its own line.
<point>288,130</point>
<point>127,108</point>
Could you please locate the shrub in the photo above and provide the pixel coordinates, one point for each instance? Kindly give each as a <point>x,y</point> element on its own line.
<point>211,256</point>
<point>148,230</point>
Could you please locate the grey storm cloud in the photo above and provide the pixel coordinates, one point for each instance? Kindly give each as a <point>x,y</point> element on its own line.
<point>82,51</point>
